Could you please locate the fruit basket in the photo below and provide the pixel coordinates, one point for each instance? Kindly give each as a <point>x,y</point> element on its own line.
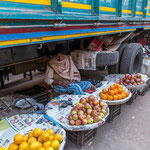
<point>106,85</point>
<point>129,81</point>
<point>59,114</point>
<point>41,133</point>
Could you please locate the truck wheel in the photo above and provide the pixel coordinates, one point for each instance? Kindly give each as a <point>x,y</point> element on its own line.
<point>114,69</point>
<point>132,59</point>
<point>107,58</point>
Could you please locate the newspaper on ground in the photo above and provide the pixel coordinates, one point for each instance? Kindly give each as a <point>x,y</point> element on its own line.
<point>24,124</point>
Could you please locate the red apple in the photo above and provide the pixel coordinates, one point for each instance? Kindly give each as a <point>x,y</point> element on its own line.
<point>71,122</point>
<point>82,100</point>
<point>80,112</point>
<point>97,108</point>
<point>80,116</point>
<point>104,111</point>
<point>85,114</point>
<point>123,79</point>
<point>127,76</point>
<point>75,117</point>
<point>94,113</point>
<point>91,98</point>
<point>103,107</point>
<point>70,117</point>
<point>95,101</point>
<point>78,122</point>
<point>83,109</point>
<point>95,119</point>
<point>84,121</point>
<point>101,103</point>
<point>89,111</point>
<point>87,106</point>
<point>79,106</point>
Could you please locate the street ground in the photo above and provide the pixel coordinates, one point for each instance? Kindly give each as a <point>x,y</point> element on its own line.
<point>130,131</point>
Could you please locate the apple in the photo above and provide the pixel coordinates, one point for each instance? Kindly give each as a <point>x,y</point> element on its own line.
<point>95,101</point>
<point>101,114</point>
<point>85,114</point>
<point>83,109</point>
<point>82,100</point>
<point>98,104</point>
<point>70,117</point>
<point>75,108</point>
<point>79,106</point>
<point>90,120</point>
<point>87,106</point>
<point>99,118</point>
<point>91,98</point>
<point>95,119</point>
<point>87,100</point>
<point>80,112</point>
<point>78,122</point>
<point>80,116</point>
<point>138,76</point>
<point>89,111</point>
<point>127,76</point>
<point>104,111</point>
<point>94,113</point>
<point>127,81</point>
<point>84,121</point>
<point>75,117</point>
<point>88,116</point>
<point>71,122</point>
<point>91,104</point>
<point>97,108</point>
<point>131,77</point>
<point>103,107</point>
<point>123,79</point>
<point>101,103</point>
<point>74,112</point>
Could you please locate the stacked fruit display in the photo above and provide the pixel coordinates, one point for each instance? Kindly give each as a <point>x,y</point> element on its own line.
<point>89,110</point>
<point>131,80</point>
<point>114,92</point>
<point>36,140</point>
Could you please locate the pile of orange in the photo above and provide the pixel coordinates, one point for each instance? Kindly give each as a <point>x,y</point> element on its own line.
<point>36,140</point>
<point>114,92</point>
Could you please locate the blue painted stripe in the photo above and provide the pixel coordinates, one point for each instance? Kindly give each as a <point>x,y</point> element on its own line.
<point>5,37</point>
<point>54,40</point>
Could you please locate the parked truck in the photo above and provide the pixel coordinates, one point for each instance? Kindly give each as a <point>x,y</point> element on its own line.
<point>31,29</point>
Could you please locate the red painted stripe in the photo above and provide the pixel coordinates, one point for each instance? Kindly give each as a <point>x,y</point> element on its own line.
<point>29,30</point>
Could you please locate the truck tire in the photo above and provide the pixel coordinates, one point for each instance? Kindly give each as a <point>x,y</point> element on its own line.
<point>114,69</point>
<point>107,58</point>
<point>132,59</point>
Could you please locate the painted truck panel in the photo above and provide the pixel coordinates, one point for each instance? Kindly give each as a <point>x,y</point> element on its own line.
<point>25,22</point>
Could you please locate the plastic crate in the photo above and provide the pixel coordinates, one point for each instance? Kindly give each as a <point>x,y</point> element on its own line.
<point>145,89</point>
<point>134,95</point>
<point>38,93</point>
<point>115,111</point>
<point>81,138</point>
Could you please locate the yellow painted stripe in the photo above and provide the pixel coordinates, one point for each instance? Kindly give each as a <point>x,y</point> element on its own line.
<point>23,41</point>
<point>76,5</point>
<point>148,14</point>
<point>41,2</point>
<point>107,9</point>
<point>139,13</point>
<point>147,28</point>
<point>126,11</point>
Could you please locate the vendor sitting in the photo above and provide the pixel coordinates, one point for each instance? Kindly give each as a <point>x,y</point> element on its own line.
<point>64,77</point>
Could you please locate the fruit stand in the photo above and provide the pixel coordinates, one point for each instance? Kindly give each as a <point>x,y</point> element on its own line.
<point>31,131</point>
<point>81,118</point>
<point>136,83</point>
<point>114,95</point>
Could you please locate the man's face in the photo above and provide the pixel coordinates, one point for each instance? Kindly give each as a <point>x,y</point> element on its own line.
<point>60,57</point>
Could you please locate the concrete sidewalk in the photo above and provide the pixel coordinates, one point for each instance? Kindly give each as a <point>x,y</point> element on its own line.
<point>131,131</point>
